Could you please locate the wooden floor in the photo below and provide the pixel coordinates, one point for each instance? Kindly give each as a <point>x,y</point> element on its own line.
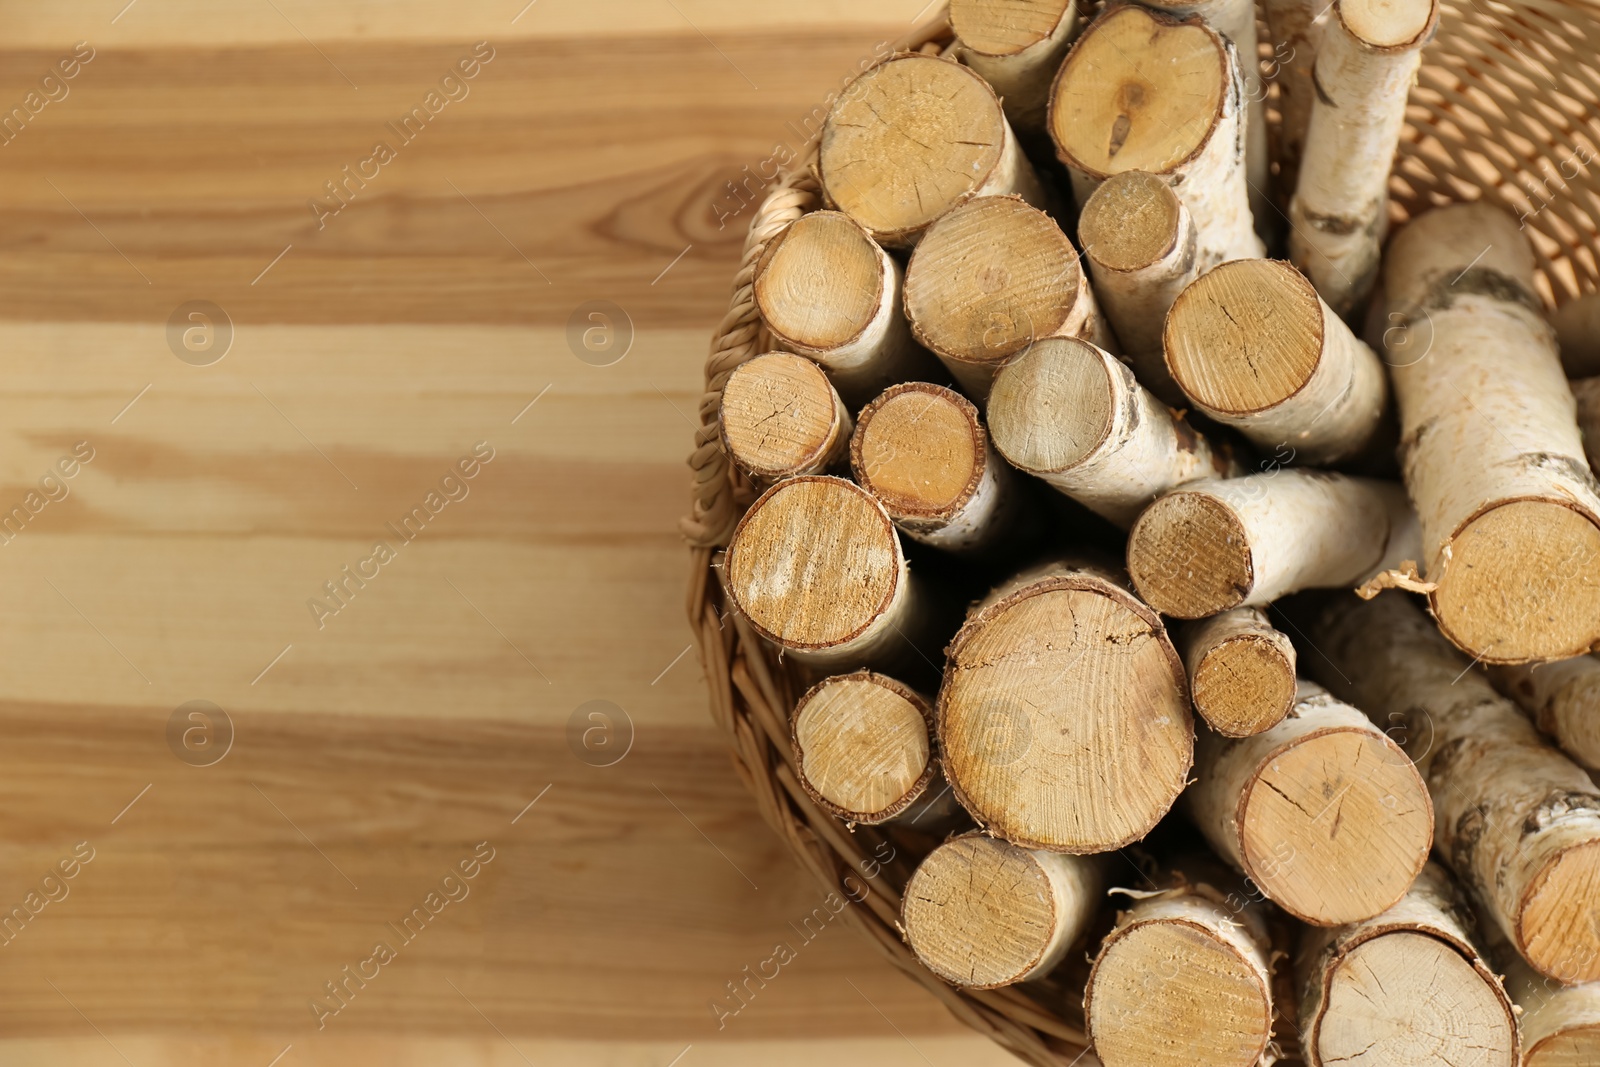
<point>376,748</point>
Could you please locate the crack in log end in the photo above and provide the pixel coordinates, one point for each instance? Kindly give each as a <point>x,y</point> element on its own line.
<point>1119,135</point>
<point>1559,805</point>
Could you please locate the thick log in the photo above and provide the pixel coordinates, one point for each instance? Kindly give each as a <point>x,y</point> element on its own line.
<point>780,417</point>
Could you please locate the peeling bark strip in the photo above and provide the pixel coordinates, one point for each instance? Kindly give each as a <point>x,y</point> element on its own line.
<point>921,450</point>
<point>1138,239</point>
<point>781,417</point>
<point>1562,699</point>
<point>912,137</point>
<point>1406,988</point>
<point>1518,822</point>
<point>1216,544</point>
<point>1490,447</point>
<point>1142,90</point>
<point>1295,27</point>
<point>1241,671</point>
<point>1063,718</point>
<point>863,747</point>
<point>1073,415</point>
<point>1254,347</point>
<point>1185,978</point>
<point>825,289</point>
<point>816,567</point>
<point>1235,20</point>
<point>1325,813</point>
<point>1016,45</point>
<point>982,913</point>
<point>991,278</point>
<point>1366,61</point>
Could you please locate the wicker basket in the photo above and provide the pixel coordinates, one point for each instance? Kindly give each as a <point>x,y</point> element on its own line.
<point>1506,109</point>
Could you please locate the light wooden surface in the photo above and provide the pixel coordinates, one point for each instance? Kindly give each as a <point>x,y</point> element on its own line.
<point>373,753</point>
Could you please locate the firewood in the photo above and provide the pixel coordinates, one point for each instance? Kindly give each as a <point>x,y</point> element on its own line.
<point>1185,978</point>
<point>922,451</point>
<point>816,567</point>
<point>1489,443</point>
<point>1367,59</point>
<point>1235,20</point>
<point>780,417</point>
<point>1518,822</point>
<point>1142,90</point>
<point>1241,671</point>
<point>863,748</point>
<point>1217,544</point>
<point>1254,347</point>
<point>991,278</point>
<point>912,137</point>
<point>1324,813</point>
<point>1560,1024</point>
<point>1563,700</point>
<point>1406,988</point>
<point>1016,45</point>
<point>1063,717</point>
<point>825,289</point>
<point>1139,241</point>
<point>1073,415</point>
<point>1295,27</point>
<point>1577,326</point>
<point>983,913</point>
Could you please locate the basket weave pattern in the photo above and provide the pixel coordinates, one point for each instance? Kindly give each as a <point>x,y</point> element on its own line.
<point>1506,109</point>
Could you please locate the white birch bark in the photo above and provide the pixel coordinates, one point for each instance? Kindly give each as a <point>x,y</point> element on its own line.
<point>1563,700</point>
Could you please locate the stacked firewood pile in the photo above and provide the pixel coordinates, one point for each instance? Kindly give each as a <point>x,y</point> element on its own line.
<point>1220,587</point>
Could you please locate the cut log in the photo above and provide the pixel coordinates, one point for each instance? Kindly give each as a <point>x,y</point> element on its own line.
<point>1185,978</point>
<point>991,278</point>
<point>1073,415</point>
<point>1254,347</point>
<point>1241,671</point>
<point>825,289</point>
<point>1560,1024</point>
<point>1295,26</point>
<point>1236,21</point>
<point>1217,544</point>
<point>1518,822</point>
<point>1408,988</point>
<point>921,450</point>
<point>1063,718</point>
<point>780,417</point>
<point>1490,447</point>
<point>912,137</point>
<point>1142,90</point>
<point>1139,241</point>
<point>982,913</point>
<point>1324,813</point>
<point>1577,325</point>
<point>1562,699</point>
<point>816,567</point>
<point>863,747</point>
<point>1586,391</point>
<point>1017,45</point>
<point>1367,58</point>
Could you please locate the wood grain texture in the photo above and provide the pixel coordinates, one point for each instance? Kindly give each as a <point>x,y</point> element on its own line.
<point>426,713</point>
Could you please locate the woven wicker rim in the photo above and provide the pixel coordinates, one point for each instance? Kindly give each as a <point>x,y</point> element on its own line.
<point>1506,109</point>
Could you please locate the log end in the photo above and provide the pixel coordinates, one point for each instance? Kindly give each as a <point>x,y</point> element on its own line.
<point>906,141</point>
<point>862,746</point>
<point>1171,993</point>
<point>1245,684</point>
<point>780,416</point>
<point>814,563</point>
<point>820,283</point>
<point>983,913</point>
<point>1577,1046</point>
<point>1006,29</point>
<point>1406,999</point>
<point>1558,928</point>
<point>1051,407</point>
<point>1244,337</point>
<point>1388,23</point>
<point>1335,826</point>
<point>920,449</point>
<point>1522,583</point>
<point>1130,222</point>
<point>1189,556</point>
